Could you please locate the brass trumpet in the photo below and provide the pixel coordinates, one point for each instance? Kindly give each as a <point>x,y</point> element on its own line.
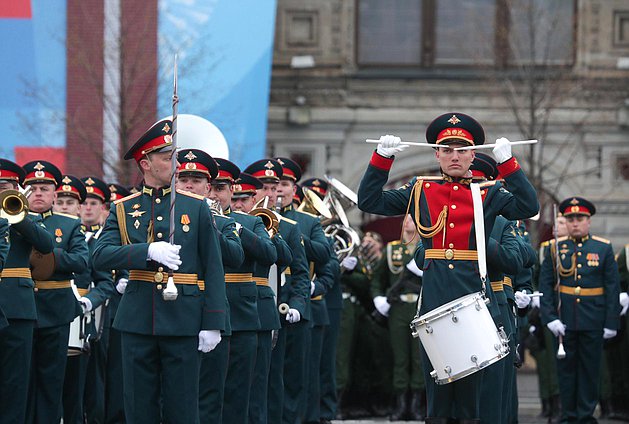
<point>13,206</point>
<point>269,218</point>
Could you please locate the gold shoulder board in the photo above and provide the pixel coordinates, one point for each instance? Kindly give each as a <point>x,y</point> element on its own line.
<point>124,199</point>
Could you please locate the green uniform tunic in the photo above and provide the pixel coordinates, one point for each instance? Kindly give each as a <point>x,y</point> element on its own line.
<point>159,337</point>
<point>57,307</point>
<point>442,209</point>
<point>17,300</point>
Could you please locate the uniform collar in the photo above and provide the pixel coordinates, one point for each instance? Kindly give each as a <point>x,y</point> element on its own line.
<point>227,210</point>
<point>160,192</point>
<point>580,239</point>
<point>450,179</point>
<point>287,208</point>
<point>47,213</point>
<point>91,228</point>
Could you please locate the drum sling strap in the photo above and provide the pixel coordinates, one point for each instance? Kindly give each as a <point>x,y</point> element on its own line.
<point>479,225</point>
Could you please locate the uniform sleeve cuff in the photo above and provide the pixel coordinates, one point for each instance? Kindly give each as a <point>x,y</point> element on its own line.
<point>509,167</point>
<point>381,162</point>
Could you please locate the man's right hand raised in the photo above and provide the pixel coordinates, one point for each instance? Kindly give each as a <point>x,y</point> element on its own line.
<point>390,145</point>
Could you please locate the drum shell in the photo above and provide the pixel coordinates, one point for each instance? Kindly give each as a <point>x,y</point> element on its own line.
<point>76,339</point>
<point>460,338</point>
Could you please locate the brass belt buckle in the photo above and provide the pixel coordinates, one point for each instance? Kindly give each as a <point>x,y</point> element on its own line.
<point>577,290</point>
<point>158,277</point>
<point>449,254</point>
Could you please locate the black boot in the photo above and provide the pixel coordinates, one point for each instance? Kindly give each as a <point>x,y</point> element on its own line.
<point>555,410</point>
<point>605,409</point>
<point>545,409</point>
<point>418,406</point>
<point>400,407</point>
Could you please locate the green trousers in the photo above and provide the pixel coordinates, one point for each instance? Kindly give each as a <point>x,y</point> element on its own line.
<point>16,344</point>
<point>407,369</point>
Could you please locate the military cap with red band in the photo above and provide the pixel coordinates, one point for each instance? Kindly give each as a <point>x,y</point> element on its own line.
<point>246,185</point>
<point>266,170</point>
<point>158,138</point>
<point>577,206</point>
<point>298,196</point>
<point>11,171</point>
<point>96,188</point>
<point>317,185</point>
<point>290,169</point>
<point>195,161</point>
<point>40,171</point>
<point>228,172</point>
<point>71,186</point>
<point>118,192</point>
<point>455,127</point>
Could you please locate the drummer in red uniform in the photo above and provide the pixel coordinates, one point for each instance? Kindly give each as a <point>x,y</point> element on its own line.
<point>443,212</point>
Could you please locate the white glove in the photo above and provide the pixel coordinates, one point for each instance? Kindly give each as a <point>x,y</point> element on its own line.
<point>121,285</point>
<point>412,267</point>
<point>532,329</point>
<point>522,299</point>
<point>557,327</point>
<point>86,304</point>
<point>349,263</point>
<point>382,305</point>
<point>535,301</point>
<point>293,316</point>
<point>502,151</point>
<point>390,145</point>
<point>208,340</point>
<point>165,253</point>
<point>608,334</point>
<point>312,287</point>
<point>624,302</point>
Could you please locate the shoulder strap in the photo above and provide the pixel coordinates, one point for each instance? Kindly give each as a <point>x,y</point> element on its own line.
<point>122,224</point>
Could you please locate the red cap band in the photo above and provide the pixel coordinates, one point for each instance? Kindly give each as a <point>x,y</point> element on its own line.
<point>156,143</point>
<point>576,210</point>
<point>68,190</point>
<point>9,175</point>
<point>455,133</point>
<point>40,176</point>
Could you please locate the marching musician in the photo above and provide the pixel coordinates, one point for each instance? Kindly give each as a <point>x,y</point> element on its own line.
<point>57,305</point>
<point>162,336</point>
<point>580,306</point>
<point>114,400</point>
<point>317,251</point>
<point>618,354</point>
<point>17,299</point>
<point>242,294</point>
<point>196,170</point>
<point>295,292</point>
<point>442,209</point>
<point>395,290</point>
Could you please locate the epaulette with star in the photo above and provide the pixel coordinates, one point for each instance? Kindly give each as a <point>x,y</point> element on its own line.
<point>124,199</point>
<point>189,194</point>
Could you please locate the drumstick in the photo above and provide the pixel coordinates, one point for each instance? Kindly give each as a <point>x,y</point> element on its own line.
<point>406,143</point>
<point>536,294</point>
<point>489,146</point>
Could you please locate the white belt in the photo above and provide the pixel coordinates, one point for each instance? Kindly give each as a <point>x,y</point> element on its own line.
<point>409,297</point>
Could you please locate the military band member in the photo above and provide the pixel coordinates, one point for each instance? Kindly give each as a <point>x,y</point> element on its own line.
<point>57,305</point>
<point>70,194</point>
<point>295,292</point>
<point>442,209</point>
<point>583,310</point>
<point>17,299</point>
<point>114,401</point>
<point>161,339</point>
<point>101,288</point>
<point>616,356</point>
<point>317,251</point>
<point>196,170</point>
<point>242,295</point>
<point>395,289</point>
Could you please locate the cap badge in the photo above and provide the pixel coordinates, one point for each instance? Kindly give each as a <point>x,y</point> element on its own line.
<point>66,188</point>
<point>237,187</point>
<point>39,174</point>
<point>191,165</point>
<point>316,183</point>
<point>66,180</point>
<point>166,127</point>
<point>112,188</point>
<point>281,162</point>
<point>574,209</point>
<point>268,165</point>
<point>190,155</point>
<point>454,120</point>
<point>90,181</point>
<point>89,189</point>
<point>168,139</point>
<point>574,201</point>
<point>269,173</point>
<point>38,166</point>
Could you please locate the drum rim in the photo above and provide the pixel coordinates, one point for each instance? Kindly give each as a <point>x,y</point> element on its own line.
<point>471,370</point>
<point>448,308</point>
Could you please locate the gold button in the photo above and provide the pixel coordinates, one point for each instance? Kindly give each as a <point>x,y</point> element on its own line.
<point>159,287</point>
<point>451,245</point>
<point>578,253</point>
<point>427,185</point>
<point>159,218</point>
<point>160,269</point>
<point>452,225</point>
<point>580,245</point>
<point>453,206</point>
<point>451,266</point>
<point>577,290</point>
<point>578,300</point>
<point>159,235</point>
<point>578,277</point>
<point>579,265</point>
<point>35,289</point>
<point>455,187</point>
<point>158,200</point>
<point>449,254</point>
<point>158,277</point>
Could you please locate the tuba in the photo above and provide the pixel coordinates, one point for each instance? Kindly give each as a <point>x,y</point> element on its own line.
<point>14,205</point>
<point>313,205</point>
<point>215,207</point>
<point>270,218</point>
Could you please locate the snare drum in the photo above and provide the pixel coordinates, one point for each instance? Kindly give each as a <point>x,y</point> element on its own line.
<point>460,338</point>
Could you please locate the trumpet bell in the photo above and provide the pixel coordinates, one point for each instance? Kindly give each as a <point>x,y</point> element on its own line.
<point>269,218</point>
<point>314,205</point>
<point>346,239</point>
<point>345,191</point>
<point>13,206</point>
